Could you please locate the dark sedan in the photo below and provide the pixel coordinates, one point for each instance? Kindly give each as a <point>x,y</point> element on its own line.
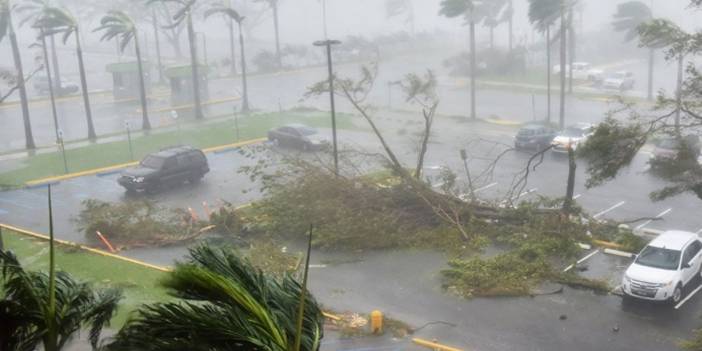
<point>298,136</point>
<point>534,136</point>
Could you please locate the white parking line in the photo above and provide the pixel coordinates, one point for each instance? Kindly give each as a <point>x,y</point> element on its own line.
<point>524,193</point>
<point>660,215</point>
<point>689,296</point>
<point>608,210</point>
<point>484,188</point>
<point>582,260</point>
<point>577,196</point>
<point>438,185</point>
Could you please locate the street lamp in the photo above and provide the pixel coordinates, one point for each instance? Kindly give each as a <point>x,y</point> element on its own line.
<point>129,139</point>
<point>174,115</point>
<point>59,133</point>
<point>328,44</point>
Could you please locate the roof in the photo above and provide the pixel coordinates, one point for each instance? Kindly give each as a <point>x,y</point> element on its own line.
<point>673,239</point>
<point>172,151</point>
<point>184,71</point>
<point>125,67</point>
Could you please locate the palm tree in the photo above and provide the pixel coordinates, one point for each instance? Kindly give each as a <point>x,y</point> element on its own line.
<point>32,10</point>
<point>7,28</point>
<point>119,24</point>
<point>49,309</point>
<point>542,15</point>
<point>185,14</point>
<point>472,14</point>
<point>236,17</point>
<point>629,16</point>
<point>274,6</point>
<point>57,20</point>
<point>395,8</point>
<point>227,304</point>
<point>496,12</point>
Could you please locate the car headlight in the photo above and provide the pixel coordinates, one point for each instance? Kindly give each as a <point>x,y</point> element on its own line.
<point>139,180</point>
<point>668,284</point>
<point>627,279</point>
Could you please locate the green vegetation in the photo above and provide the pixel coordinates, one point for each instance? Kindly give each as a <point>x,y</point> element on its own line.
<point>200,135</point>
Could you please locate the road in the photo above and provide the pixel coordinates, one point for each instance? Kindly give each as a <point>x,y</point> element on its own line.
<point>405,284</point>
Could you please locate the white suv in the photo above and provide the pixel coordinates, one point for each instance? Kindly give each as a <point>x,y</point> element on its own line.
<point>664,267</point>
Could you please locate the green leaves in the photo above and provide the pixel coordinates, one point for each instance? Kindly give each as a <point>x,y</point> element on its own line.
<point>629,16</point>
<point>117,23</point>
<point>226,11</point>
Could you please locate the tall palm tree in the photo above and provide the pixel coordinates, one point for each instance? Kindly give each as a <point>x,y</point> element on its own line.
<point>236,17</point>
<point>543,15</point>
<point>629,16</point>
<point>496,12</point>
<point>32,10</point>
<point>57,20</point>
<point>184,14</point>
<point>49,309</point>
<point>473,14</point>
<point>7,29</point>
<point>119,24</point>
<point>274,7</point>
<point>395,8</point>
<point>226,304</point>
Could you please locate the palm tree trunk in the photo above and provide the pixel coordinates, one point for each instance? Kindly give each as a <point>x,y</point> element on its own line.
<point>678,93</point>
<point>245,103</point>
<point>54,62</point>
<point>548,73</point>
<point>51,338</point>
<point>145,124</point>
<point>472,69</point>
<point>232,51</point>
<point>571,50</point>
<point>278,55</point>
<point>194,68</point>
<point>28,136</point>
<point>158,46</point>
<point>570,188</point>
<point>510,25</point>
<point>84,88</point>
<point>651,59</point>
<point>47,68</point>
<point>561,114</point>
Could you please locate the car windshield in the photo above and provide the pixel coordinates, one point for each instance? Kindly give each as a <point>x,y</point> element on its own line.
<point>572,133</point>
<point>527,131</point>
<point>306,130</point>
<point>658,257</point>
<point>153,162</point>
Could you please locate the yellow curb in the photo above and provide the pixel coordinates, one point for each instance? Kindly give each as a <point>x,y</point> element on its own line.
<point>433,345</point>
<point>85,248</point>
<point>46,100</point>
<point>130,164</point>
<point>331,316</point>
<point>503,122</point>
<point>607,244</point>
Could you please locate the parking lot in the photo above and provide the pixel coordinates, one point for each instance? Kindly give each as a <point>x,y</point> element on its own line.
<point>405,284</point>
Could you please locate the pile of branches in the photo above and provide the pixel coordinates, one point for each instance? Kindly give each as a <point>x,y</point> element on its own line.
<point>137,224</point>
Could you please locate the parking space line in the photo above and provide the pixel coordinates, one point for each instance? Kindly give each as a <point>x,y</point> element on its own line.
<point>689,296</point>
<point>582,260</point>
<point>599,214</point>
<point>577,196</point>
<point>660,215</point>
<point>484,188</point>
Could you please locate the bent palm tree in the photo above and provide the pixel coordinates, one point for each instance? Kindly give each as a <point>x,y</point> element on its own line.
<point>59,21</point>
<point>184,14</point>
<point>228,305</point>
<point>235,16</point>
<point>274,7</point>
<point>118,23</point>
<point>7,29</point>
<point>629,16</point>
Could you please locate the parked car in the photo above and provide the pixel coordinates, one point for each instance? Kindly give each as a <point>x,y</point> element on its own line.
<point>573,136</point>
<point>171,166</point>
<point>41,85</point>
<point>664,267</point>
<point>669,147</point>
<point>298,136</point>
<point>534,135</point>
<point>582,71</point>
<point>622,80</point>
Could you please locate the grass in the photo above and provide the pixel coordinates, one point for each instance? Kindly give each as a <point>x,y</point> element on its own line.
<point>199,135</point>
<point>139,284</point>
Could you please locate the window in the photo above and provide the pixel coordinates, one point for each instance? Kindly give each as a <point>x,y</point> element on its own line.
<point>183,160</point>
<point>658,257</point>
<point>153,162</point>
<point>691,251</point>
<point>170,163</point>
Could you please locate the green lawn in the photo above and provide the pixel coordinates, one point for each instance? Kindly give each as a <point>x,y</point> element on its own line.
<point>139,284</point>
<point>200,135</point>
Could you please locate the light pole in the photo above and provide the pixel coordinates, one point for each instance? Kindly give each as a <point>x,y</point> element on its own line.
<point>63,150</point>
<point>390,84</point>
<point>129,139</point>
<point>236,124</point>
<point>328,43</point>
<point>174,115</point>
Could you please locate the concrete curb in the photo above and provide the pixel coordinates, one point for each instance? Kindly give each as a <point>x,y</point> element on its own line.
<point>433,345</point>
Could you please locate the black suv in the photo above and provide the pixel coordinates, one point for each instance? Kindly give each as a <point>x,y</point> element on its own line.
<point>167,167</point>
<point>534,135</point>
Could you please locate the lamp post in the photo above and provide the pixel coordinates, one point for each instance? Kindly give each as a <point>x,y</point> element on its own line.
<point>236,124</point>
<point>328,44</point>
<point>174,115</point>
<point>129,140</point>
<point>59,132</point>
<point>390,84</point>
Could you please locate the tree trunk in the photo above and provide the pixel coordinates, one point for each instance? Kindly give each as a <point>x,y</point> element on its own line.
<point>428,121</point>
<point>158,47</point>
<point>194,68</point>
<point>232,51</point>
<point>245,103</point>
<point>57,69</point>
<point>548,73</point>
<point>49,81</point>
<point>571,49</point>
<point>84,88</point>
<point>145,123</point>
<point>561,113</point>
<point>510,25</point>
<point>570,189</point>
<point>277,34</point>
<point>678,93</point>
<point>472,69</point>
<point>651,59</point>
<point>28,135</point>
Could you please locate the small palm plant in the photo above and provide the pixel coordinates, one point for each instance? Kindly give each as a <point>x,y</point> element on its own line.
<point>48,309</point>
<point>56,20</point>
<point>119,24</point>
<point>234,15</point>
<point>227,305</point>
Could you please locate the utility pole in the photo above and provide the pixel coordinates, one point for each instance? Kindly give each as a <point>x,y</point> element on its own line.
<point>328,44</point>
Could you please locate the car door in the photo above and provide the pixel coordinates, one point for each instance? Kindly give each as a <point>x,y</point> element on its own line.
<point>169,170</point>
<point>184,169</point>
<point>285,138</point>
<point>691,261</point>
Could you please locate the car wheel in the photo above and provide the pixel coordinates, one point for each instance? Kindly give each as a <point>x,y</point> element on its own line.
<point>677,294</point>
<point>195,178</point>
